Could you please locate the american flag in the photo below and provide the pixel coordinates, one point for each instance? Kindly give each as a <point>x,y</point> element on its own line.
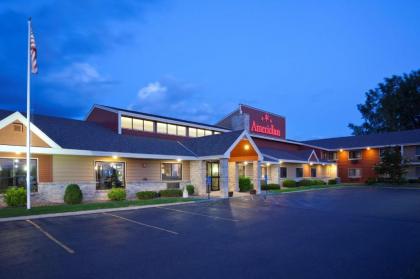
<point>34,64</point>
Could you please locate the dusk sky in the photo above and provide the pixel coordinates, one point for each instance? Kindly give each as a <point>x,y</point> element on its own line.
<point>311,61</point>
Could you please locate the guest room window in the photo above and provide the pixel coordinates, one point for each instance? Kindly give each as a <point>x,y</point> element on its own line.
<point>13,173</point>
<point>355,155</point>
<point>355,173</point>
<point>283,172</point>
<point>299,172</point>
<point>313,172</point>
<point>171,171</point>
<point>109,174</point>
<point>138,124</point>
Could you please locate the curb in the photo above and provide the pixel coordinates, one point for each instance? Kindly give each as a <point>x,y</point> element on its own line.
<point>88,212</point>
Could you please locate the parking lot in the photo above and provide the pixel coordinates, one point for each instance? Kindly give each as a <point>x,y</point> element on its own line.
<point>332,233</point>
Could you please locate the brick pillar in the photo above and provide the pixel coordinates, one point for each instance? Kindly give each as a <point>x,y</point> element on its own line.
<point>233,177</point>
<point>275,174</point>
<point>198,176</point>
<point>224,177</point>
<point>256,175</point>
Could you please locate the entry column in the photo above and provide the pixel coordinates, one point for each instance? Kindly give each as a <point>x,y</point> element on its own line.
<point>233,177</point>
<point>224,177</point>
<point>256,176</point>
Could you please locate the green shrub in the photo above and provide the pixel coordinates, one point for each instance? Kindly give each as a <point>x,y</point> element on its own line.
<point>245,184</point>
<point>370,181</point>
<point>147,195</point>
<point>332,181</point>
<point>170,193</point>
<point>310,182</point>
<point>15,196</point>
<point>270,186</point>
<point>289,183</point>
<point>117,194</point>
<point>190,189</point>
<point>73,194</point>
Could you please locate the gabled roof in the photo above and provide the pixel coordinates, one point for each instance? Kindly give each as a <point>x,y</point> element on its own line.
<point>140,114</point>
<point>373,140</point>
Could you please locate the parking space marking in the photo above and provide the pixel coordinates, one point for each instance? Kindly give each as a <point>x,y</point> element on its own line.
<point>140,223</point>
<point>52,238</point>
<point>199,214</point>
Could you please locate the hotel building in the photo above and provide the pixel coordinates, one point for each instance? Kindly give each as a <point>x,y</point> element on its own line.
<point>142,151</point>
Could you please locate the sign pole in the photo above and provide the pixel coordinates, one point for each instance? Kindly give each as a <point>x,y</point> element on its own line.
<point>28,123</point>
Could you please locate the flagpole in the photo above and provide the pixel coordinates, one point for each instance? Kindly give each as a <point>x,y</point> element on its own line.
<point>28,123</point>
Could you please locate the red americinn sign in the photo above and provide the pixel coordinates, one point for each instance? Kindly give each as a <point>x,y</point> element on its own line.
<point>261,122</point>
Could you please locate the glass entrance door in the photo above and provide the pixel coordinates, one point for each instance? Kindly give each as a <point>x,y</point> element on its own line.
<point>213,175</point>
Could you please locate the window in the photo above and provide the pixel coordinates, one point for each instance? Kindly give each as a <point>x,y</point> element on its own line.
<point>382,152</point>
<point>17,127</point>
<point>264,172</point>
<point>418,152</point>
<point>355,173</point>
<point>208,132</point>
<point>109,174</point>
<point>138,124</point>
<point>192,132</point>
<point>299,172</point>
<point>241,170</point>
<point>313,172</point>
<point>162,128</point>
<point>148,126</point>
<point>126,122</point>
<point>182,131</point>
<point>171,129</point>
<point>355,155</point>
<point>200,132</point>
<point>330,156</point>
<point>283,172</point>
<point>13,173</point>
<point>171,171</point>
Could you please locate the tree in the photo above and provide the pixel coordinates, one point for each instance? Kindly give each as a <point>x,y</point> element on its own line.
<point>392,165</point>
<point>393,106</point>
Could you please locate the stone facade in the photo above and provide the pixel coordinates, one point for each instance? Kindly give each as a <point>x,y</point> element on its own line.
<point>233,177</point>
<point>256,174</point>
<point>198,176</point>
<point>224,177</point>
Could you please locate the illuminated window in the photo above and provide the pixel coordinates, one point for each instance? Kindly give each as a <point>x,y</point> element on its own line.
<point>171,171</point>
<point>138,124</point>
<point>13,173</point>
<point>127,122</point>
<point>299,172</point>
<point>182,131</point>
<point>355,173</point>
<point>162,128</point>
<point>208,132</point>
<point>109,175</point>
<point>192,132</point>
<point>200,132</point>
<point>171,129</point>
<point>148,126</point>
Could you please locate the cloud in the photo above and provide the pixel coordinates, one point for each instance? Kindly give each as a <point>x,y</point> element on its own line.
<point>79,73</point>
<point>176,98</point>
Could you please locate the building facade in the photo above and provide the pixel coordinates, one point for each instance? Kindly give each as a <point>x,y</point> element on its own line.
<point>115,147</point>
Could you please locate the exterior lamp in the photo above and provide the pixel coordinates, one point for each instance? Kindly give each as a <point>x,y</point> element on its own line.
<point>268,164</point>
<point>367,148</point>
<point>280,162</point>
<point>114,157</point>
<point>341,150</point>
<point>311,164</point>
<point>245,163</point>
<point>178,160</point>
<point>17,153</point>
<point>246,146</point>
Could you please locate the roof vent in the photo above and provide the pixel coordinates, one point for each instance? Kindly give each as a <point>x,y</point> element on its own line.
<point>17,127</point>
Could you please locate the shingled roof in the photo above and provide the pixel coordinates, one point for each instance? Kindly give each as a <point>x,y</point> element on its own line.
<point>299,155</point>
<point>382,139</point>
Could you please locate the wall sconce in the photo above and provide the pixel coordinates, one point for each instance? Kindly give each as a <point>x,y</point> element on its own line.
<point>246,146</point>
<point>341,150</point>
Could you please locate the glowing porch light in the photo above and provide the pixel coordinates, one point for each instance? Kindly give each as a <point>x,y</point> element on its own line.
<point>268,164</point>
<point>17,153</point>
<point>114,157</point>
<point>341,150</point>
<point>246,146</point>
<point>311,164</point>
<point>245,163</point>
<point>280,162</point>
<point>368,148</point>
<point>178,160</point>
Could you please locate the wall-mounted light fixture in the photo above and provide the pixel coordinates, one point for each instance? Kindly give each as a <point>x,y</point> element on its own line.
<point>246,146</point>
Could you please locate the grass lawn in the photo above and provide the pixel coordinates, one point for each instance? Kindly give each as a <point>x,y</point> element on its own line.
<point>21,211</point>
<point>300,188</point>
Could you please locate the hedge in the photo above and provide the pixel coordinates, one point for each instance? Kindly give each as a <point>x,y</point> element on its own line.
<point>289,183</point>
<point>270,186</point>
<point>117,194</point>
<point>310,182</point>
<point>15,196</point>
<point>332,181</point>
<point>170,193</point>
<point>245,184</point>
<point>73,194</point>
<point>370,181</point>
<point>147,195</point>
<point>190,189</point>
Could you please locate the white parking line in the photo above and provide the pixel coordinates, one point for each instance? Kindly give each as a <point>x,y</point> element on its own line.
<point>59,243</point>
<point>140,223</point>
<point>199,214</point>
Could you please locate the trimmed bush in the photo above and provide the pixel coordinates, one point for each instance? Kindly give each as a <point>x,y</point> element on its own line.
<point>370,181</point>
<point>190,189</point>
<point>73,194</point>
<point>15,196</point>
<point>270,186</point>
<point>289,183</point>
<point>245,184</point>
<point>310,182</point>
<point>117,194</point>
<point>147,195</point>
<point>332,181</point>
<point>170,193</point>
